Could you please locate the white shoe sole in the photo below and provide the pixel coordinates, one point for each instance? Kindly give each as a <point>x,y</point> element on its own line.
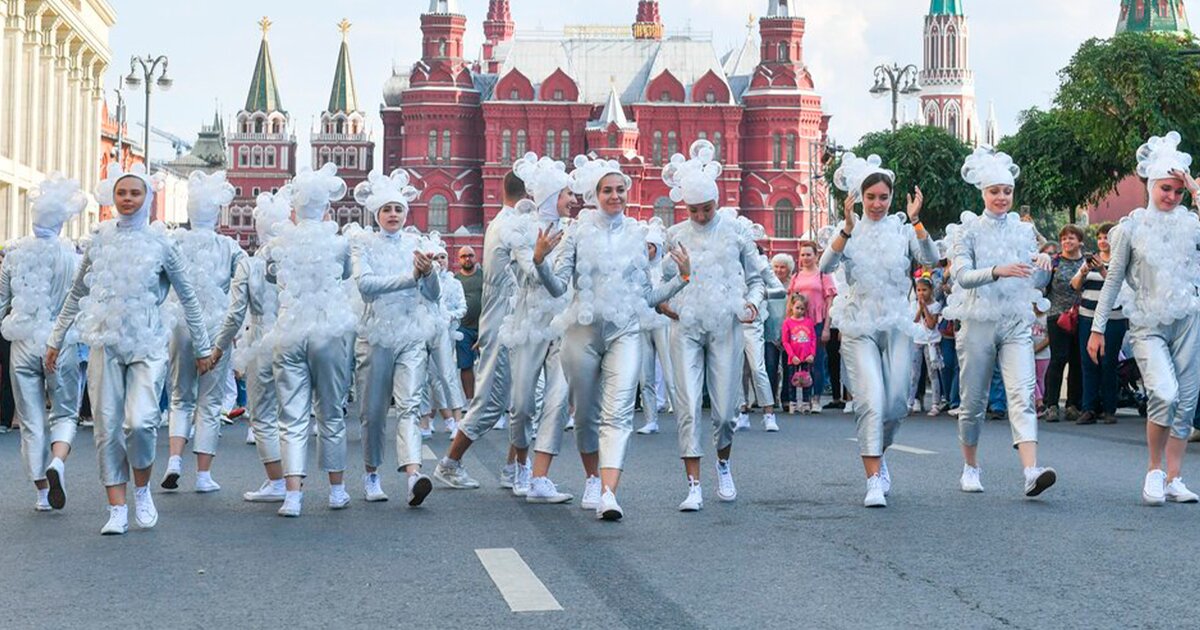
<point>289,513</point>
<point>771,429</point>
<point>376,498</point>
<point>1179,499</point>
<point>875,503</point>
<point>690,508</point>
<point>113,531</point>
<point>446,480</point>
<point>262,498</point>
<point>559,498</point>
<point>340,505</point>
<point>207,489</point>
<point>645,431</point>
<point>970,489</point>
<point>1153,501</point>
<point>149,525</point>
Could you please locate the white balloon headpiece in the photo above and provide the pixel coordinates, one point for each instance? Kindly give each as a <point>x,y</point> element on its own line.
<point>433,244</point>
<point>272,212</point>
<point>544,178</point>
<point>378,191</point>
<point>1161,155</point>
<point>693,180</point>
<point>207,194</point>
<point>855,170</point>
<point>311,192</point>
<point>656,233</point>
<point>588,173</point>
<point>105,191</point>
<point>989,167</point>
<point>54,202</point>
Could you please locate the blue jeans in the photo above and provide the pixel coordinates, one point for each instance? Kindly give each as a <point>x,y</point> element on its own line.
<point>949,372</point>
<point>997,400</point>
<point>1101,382</point>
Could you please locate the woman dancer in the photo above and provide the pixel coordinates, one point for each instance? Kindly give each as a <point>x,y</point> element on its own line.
<point>445,393</point>
<point>1152,276</point>
<point>998,274</point>
<point>34,280</point>
<point>196,400</point>
<point>123,279</point>
<point>656,342</point>
<point>604,258</point>
<point>401,293</point>
<point>873,311</point>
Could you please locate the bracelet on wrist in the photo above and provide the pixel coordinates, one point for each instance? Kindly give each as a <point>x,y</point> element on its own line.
<point>845,235</point>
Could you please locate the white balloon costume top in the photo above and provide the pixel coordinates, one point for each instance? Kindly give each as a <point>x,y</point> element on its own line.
<point>452,305</point>
<point>399,309</point>
<point>980,242</point>
<point>1155,269</point>
<point>309,260</point>
<point>38,270</point>
<point>725,265</point>
<point>532,307</point>
<point>876,260</point>
<point>126,272</point>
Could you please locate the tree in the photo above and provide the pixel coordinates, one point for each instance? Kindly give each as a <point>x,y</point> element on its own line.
<point>1057,171</point>
<point>929,157</point>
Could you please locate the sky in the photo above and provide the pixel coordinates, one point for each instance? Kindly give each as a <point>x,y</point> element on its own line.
<point>1017,49</point>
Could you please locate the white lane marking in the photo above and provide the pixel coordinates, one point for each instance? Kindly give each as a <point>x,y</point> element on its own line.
<point>903,449</point>
<point>427,453</point>
<point>523,591</point>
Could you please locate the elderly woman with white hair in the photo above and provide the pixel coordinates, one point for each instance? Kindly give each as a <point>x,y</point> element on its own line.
<point>603,256</point>
<point>1153,277</point>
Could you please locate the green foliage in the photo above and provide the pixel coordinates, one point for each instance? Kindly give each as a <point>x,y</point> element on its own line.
<point>929,157</point>
<point>1057,171</point>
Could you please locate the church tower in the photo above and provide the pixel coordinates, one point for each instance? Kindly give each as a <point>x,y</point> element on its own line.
<point>1152,16</point>
<point>342,137</point>
<point>948,94</point>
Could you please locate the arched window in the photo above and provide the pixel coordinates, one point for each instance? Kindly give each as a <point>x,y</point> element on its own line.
<point>243,156</point>
<point>791,150</point>
<point>441,48</point>
<point>718,144</point>
<point>270,157</point>
<point>339,157</point>
<point>936,38</point>
<point>439,213</point>
<point>777,150</point>
<point>352,158</point>
<point>672,143</point>
<point>446,145</point>
<point>783,52</point>
<point>256,158</point>
<point>664,209</point>
<point>551,143</point>
<point>506,147</point>
<point>522,145</point>
<point>703,135</point>
<point>952,48</point>
<point>325,156</point>
<point>433,137</point>
<point>656,149</point>
<point>952,123</point>
<point>564,140</point>
<point>258,125</point>
<point>785,212</point>
<point>710,97</point>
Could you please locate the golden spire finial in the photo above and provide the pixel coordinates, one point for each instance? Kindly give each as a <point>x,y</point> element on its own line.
<point>265,25</point>
<point>750,22</point>
<point>344,27</point>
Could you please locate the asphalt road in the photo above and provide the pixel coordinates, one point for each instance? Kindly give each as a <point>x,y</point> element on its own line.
<point>796,549</point>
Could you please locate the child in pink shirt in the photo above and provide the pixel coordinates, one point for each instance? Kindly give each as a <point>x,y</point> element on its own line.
<point>800,344</point>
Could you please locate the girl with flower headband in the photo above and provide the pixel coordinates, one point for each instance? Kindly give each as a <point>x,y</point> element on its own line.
<point>1154,275</point>
<point>603,256</point>
<point>873,313</point>
<point>34,280</point>
<point>251,292</point>
<point>124,277</point>
<point>196,400</point>
<point>401,292</point>
<point>707,343</point>
<point>998,273</point>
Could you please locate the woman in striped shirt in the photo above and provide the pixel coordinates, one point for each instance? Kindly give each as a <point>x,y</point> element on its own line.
<point>1100,381</point>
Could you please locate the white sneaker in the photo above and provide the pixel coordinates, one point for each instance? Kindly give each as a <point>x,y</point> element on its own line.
<point>650,428</point>
<point>521,480</point>
<point>426,433</point>
<point>373,488</point>
<point>43,502</point>
<point>450,426</point>
<point>250,439</point>
<point>269,492</point>
<point>118,521</point>
<point>726,491</point>
<point>1154,491</point>
<point>542,490</point>
<point>57,494</point>
<point>970,479</point>
<point>170,480</point>
<point>454,475</point>
<point>743,422</point>
<point>1037,479</point>
<point>291,504</point>
<point>914,407</point>
<point>144,513</point>
<point>886,476</point>
<point>591,494</point>
<point>502,423</point>
<point>419,487</point>
<point>875,496</point>
<point>570,424</point>
<point>205,483</point>
<point>849,408</point>
<point>608,509</point>
<point>769,424</point>
<point>339,499</point>
<point>508,475</point>
<point>695,498</point>
<point>1179,493</point>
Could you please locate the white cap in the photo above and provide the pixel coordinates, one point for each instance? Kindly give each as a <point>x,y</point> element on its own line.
<point>1161,155</point>
<point>310,192</point>
<point>694,180</point>
<point>854,171</point>
<point>378,191</point>
<point>989,167</point>
<point>207,194</point>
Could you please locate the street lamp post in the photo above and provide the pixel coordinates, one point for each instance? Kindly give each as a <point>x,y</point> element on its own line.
<point>897,81</point>
<point>149,65</point>
<point>117,155</point>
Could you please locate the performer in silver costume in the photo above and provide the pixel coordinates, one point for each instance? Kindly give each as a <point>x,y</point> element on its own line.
<point>250,291</point>
<point>998,274</point>
<point>873,312</point>
<point>211,259</point>
<point>1153,275</point>
<point>309,262</point>
<point>707,343</point>
<point>114,302</point>
<point>444,393</point>
<point>400,291</point>
<point>34,280</point>
<point>656,342</point>
<point>756,384</point>
<point>603,257</point>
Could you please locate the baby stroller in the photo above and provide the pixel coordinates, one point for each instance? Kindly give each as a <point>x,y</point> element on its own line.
<point>1131,394</point>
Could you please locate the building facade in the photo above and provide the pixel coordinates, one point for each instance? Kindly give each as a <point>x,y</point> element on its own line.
<point>947,81</point>
<point>53,55</point>
<point>1144,16</point>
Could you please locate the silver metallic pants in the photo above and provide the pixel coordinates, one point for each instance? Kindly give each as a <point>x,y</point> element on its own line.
<point>32,388</point>
<point>878,367</point>
<point>979,345</point>
<point>308,375</point>
<point>493,388</point>
<point>756,365</point>
<point>656,344</point>
<point>443,373</point>
<point>531,363</point>
<point>124,394</point>
<point>195,398</point>
<point>263,406</point>
<point>706,359</point>
<point>383,375</point>
<point>601,362</point>
<point>1169,359</point>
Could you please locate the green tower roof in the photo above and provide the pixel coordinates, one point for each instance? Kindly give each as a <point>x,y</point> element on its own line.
<point>264,89</point>
<point>945,7</point>
<point>1158,16</point>
<point>343,97</point>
